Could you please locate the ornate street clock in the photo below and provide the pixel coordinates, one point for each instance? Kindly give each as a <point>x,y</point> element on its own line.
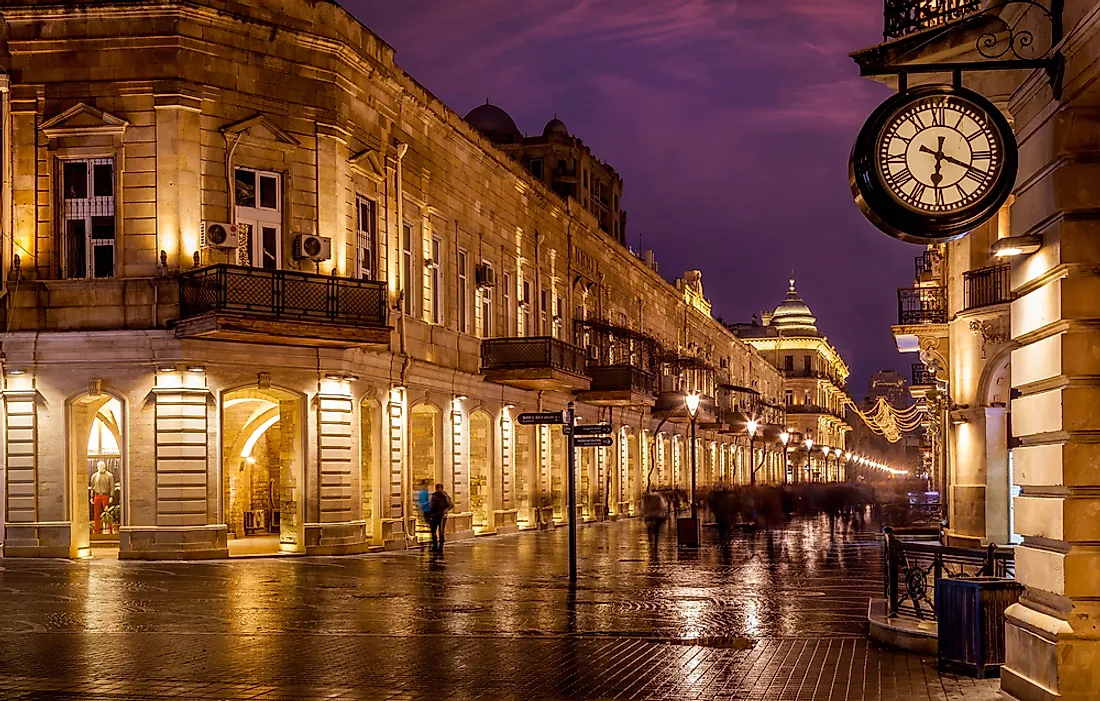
<point>933,163</point>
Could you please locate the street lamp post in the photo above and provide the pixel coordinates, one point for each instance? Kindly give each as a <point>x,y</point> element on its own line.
<point>688,531</point>
<point>751,426</point>
<point>809,447</point>
<point>783,438</point>
<point>826,450</point>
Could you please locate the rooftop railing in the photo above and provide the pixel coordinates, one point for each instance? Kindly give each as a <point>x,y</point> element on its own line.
<point>901,17</point>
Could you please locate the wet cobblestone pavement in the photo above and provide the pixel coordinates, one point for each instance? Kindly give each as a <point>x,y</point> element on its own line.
<point>768,619</point>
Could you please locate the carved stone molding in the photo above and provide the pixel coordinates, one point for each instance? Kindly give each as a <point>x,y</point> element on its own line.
<point>994,331</point>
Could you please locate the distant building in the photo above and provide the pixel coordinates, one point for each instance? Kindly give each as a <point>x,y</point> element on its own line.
<point>889,385</point>
<point>562,162</point>
<point>814,390</point>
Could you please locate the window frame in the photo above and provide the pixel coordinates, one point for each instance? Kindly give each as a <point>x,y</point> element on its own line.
<point>435,281</point>
<point>93,207</point>
<point>407,264</point>
<point>366,239</point>
<point>258,218</point>
<point>462,315</point>
<point>485,303</point>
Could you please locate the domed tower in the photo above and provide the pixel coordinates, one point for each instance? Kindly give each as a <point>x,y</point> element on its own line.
<point>555,127</point>
<point>793,317</point>
<point>494,123</point>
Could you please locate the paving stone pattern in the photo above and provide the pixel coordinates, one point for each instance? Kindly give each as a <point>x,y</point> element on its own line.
<point>773,618</point>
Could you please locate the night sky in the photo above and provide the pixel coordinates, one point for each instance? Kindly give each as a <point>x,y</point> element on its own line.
<point>730,121</point>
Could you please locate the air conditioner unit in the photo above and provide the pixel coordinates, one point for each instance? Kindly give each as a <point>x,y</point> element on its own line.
<point>218,235</point>
<point>485,276</point>
<point>308,246</point>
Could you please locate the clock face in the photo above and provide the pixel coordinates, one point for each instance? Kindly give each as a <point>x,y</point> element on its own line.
<point>933,163</point>
<point>939,154</point>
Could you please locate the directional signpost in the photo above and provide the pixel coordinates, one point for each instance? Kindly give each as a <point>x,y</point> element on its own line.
<point>592,441</point>
<point>540,417</point>
<point>592,430</point>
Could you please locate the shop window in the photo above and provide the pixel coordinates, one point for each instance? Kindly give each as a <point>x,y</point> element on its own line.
<point>88,211</point>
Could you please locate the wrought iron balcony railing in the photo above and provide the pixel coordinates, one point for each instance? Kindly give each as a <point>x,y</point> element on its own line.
<point>986,286</point>
<point>621,378</point>
<point>922,376</point>
<point>529,353</point>
<point>922,305</point>
<point>903,17</point>
<point>282,294</point>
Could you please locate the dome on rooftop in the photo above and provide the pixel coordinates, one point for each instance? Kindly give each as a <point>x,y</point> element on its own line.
<point>555,126</point>
<point>492,121</point>
<point>792,317</point>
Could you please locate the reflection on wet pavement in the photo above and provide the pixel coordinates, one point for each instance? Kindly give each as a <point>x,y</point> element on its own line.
<point>773,616</point>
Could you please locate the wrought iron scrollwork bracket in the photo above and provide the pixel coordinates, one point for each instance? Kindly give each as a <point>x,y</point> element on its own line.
<point>1003,45</point>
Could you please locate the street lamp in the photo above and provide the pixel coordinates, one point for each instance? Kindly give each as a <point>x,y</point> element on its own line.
<point>691,401</point>
<point>809,447</point>
<point>783,438</point>
<point>752,426</point>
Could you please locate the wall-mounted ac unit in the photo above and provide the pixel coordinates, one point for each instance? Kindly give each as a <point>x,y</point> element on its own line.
<point>310,247</point>
<point>485,276</point>
<point>219,235</point>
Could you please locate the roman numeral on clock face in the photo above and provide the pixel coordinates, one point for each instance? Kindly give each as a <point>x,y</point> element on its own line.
<point>917,193</point>
<point>978,176</point>
<point>900,178</point>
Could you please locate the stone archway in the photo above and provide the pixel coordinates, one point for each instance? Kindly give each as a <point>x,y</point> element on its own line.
<point>97,450</point>
<point>425,468</point>
<point>263,470</point>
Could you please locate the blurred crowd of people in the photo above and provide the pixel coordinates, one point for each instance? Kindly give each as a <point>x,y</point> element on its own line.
<point>846,504</point>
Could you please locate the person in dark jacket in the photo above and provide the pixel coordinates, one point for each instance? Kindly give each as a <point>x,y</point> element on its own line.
<point>438,506</point>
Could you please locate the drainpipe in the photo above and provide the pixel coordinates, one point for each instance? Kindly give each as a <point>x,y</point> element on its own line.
<point>402,149</point>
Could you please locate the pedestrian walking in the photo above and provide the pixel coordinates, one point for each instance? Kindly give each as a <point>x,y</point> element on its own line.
<point>655,512</point>
<point>438,506</point>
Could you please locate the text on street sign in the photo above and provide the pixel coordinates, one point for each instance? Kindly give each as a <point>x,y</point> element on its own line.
<point>540,417</point>
<point>592,430</point>
<point>592,441</point>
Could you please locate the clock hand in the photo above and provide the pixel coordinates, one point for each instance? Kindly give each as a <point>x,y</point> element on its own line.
<point>956,161</point>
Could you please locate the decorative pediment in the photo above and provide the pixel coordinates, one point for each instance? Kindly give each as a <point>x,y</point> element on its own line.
<point>83,120</point>
<point>261,131</point>
<point>369,163</point>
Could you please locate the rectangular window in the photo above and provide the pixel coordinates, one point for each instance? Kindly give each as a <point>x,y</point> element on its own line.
<point>407,286</point>
<point>525,300</point>
<point>535,166</point>
<point>788,363</point>
<point>506,298</point>
<point>435,280</point>
<point>88,212</point>
<point>544,312</point>
<point>258,197</point>
<point>366,226</point>
<point>807,364</point>
<point>788,397</point>
<point>559,314</point>
<point>486,307</point>
<point>463,292</point>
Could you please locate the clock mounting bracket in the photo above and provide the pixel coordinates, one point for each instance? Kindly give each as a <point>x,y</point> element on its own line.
<point>1005,44</point>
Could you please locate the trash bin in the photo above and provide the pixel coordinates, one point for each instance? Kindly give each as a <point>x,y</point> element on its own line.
<point>688,534</point>
<point>970,618</point>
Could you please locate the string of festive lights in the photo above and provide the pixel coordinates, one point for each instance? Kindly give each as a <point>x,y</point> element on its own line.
<point>889,422</point>
<point>874,464</point>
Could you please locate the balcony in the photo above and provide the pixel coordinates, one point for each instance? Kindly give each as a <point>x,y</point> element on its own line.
<point>922,305</point>
<point>793,409</point>
<point>619,385</point>
<point>903,17</point>
<point>987,286</point>
<point>535,363</point>
<point>928,267</point>
<point>671,405</point>
<point>922,376</point>
<point>234,303</point>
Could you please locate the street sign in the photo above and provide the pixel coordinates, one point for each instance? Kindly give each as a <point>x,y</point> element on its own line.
<point>592,430</point>
<point>592,441</point>
<point>540,417</point>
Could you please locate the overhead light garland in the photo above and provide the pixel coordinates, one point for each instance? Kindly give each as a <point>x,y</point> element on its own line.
<point>886,421</point>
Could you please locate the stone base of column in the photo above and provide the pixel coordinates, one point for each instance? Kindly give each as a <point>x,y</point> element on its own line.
<point>601,512</point>
<point>393,534</point>
<point>173,542</point>
<point>623,510</point>
<point>546,518</point>
<point>348,538</point>
<point>460,526</point>
<point>1046,660</point>
<point>52,539</point>
<point>506,521</point>
<point>956,540</point>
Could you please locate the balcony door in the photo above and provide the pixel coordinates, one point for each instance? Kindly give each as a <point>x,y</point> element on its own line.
<point>259,199</point>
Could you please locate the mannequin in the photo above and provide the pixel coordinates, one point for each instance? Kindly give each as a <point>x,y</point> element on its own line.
<point>103,485</point>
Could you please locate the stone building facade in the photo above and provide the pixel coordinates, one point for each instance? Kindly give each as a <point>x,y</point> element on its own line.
<point>815,394</point>
<point>1030,349</point>
<point>258,282</point>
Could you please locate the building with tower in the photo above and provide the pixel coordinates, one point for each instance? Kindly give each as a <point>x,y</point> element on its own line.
<point>815,395</point>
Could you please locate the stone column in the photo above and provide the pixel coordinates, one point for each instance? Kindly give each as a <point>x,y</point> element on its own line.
<point>336,530</point>
<point>179,193</point>
<point>1053,634</point>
